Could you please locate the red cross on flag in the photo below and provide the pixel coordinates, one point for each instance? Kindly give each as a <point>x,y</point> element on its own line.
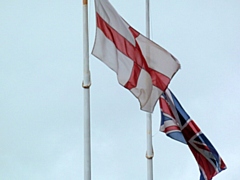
<point>141,65</point>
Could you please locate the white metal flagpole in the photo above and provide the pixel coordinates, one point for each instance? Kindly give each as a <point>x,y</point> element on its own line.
<point>86,88</point>
<point>149,153</point>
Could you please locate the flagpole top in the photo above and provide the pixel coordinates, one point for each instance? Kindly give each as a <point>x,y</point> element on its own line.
<point>85,2</point>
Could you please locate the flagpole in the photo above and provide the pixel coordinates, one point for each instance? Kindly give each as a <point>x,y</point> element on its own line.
<point>149,153</point>
<point>86,89</point>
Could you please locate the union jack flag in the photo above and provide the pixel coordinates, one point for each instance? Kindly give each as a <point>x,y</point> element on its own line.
<point>177,124</point>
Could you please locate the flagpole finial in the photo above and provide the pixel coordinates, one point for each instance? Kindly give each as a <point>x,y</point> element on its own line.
<point>85,2</point>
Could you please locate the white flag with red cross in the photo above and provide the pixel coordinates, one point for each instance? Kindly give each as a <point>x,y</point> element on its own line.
<point>141,65</point>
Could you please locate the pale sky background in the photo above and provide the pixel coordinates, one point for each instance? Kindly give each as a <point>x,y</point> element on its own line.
<point>41,95</point>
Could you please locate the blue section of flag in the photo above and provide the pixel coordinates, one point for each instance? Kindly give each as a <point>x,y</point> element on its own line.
<point>179,108</point>
<point>177,136</point>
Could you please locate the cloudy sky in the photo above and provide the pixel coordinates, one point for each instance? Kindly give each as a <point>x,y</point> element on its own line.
<point>41,97</point>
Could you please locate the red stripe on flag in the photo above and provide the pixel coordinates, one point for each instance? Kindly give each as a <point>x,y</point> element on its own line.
<point>171,128</point>
<point>223,166</point>
<point>202,146</point>
<point>134,53</point>
<point>206,166</point>
<point>159,80</point>
<point>165,107</point>
<point>190,130</point>
<point>132,82</point>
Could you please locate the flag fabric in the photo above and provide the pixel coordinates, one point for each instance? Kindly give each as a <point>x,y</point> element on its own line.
<point>142,66</point>
<point>177,124</point>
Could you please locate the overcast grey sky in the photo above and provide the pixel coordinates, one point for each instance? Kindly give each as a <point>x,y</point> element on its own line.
<point>41,97</point>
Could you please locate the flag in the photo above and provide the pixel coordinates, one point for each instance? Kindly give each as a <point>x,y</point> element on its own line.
<point>177,124</point>
<point>142,66</point>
